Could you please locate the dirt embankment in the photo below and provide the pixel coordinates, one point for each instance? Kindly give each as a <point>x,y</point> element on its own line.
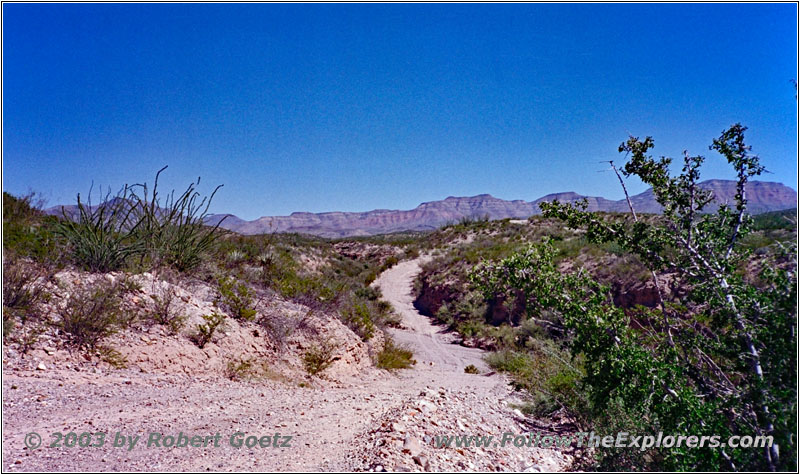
<point>353,417</point>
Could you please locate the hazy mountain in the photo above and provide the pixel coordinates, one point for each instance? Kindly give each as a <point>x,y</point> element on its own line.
<point>762,196</point>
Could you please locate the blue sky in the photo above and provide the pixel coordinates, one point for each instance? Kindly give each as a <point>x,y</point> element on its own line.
<point>355,107</point>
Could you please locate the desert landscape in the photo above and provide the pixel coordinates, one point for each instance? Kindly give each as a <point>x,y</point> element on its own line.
<point>399,238</point>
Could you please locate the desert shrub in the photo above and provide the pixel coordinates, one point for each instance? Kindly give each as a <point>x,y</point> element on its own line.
<point>549,374</point>
<point>28,232</point>
<point>394,356</point>
<point>236,256</point>
<point>240,369</point>
<point>136,222</point>
<point>205,331</point>
<point>101,237</point>
<point>318,358</point>
<point>166,308</point>
<point>9,323</point>
<point>720,360</point>
<point>357,316</point>
<point>390,262</point>
<point>281,326</point>
<point>92,313</point>
<point>172,231</point>
<point>471,369</point>
<point>23,290</point>
<point>236,298</point>
<point>112,356</point>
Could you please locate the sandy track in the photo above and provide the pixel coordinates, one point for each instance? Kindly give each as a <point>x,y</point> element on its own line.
<point>329,423</point>
<point>429,342</point>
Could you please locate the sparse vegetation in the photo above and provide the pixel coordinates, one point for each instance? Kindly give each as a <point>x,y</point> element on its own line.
<point>236,298</point>
<point>205,331</point>
<point>395,357</point>
<point>23,291</point>
<point>240,369</point>
<point>92,313</point>
<point>556,300</point>
<point>166,308</point>
<point>693,364</point>
<point>318,358</point>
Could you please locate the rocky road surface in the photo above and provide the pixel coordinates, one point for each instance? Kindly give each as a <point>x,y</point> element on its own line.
<point>378,421</point>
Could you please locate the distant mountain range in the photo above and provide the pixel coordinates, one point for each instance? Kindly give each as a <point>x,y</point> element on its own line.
<point>762,197</point>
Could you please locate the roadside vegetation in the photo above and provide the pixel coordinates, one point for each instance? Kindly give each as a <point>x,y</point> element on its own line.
<point>681,323</point>
<point>143,229</point>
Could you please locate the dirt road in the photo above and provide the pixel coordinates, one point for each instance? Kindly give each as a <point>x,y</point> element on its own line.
<point>364,424</point>
<point>429,342</point>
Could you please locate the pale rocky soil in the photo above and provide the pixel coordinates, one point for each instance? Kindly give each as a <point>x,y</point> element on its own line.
<point>355,417</point>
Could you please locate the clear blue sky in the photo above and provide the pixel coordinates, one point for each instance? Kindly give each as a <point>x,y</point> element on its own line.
<point>356,107</point>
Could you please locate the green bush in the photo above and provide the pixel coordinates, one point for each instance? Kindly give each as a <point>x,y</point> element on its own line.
<point>471,369</point>
<point>236,298</point>
<point>101,237</point>
<point>28,232</point>
<point>718,359</point>
<point>394,357</point>
<point>318,358</point>
<point>205,331</point>
<point>358,317</point>
<point>240,369</point>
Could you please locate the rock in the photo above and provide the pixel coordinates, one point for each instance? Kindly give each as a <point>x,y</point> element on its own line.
<point>41,366</point>
<point>398,427</point>
<point>411,446</point>
<point>422,461</point>
<point>518,413</point>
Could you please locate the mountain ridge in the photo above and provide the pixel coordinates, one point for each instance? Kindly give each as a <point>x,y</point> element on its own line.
<point>762,197</point>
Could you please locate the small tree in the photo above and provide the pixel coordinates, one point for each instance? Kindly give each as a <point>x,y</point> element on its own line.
<point>720,362</point>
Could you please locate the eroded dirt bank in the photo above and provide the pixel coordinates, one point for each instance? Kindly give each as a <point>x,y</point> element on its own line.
<point>370,420</point>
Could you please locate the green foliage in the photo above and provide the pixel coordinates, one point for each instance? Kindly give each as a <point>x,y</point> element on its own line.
<point>236,298</point>
<point>27,231</point>
<point>471,369</point>
<point>720,361</point>
<point>136,222</point>
<point>784,219</point>
<point>92,313</point>
<point>112,356</point>
<point>101,238</point>
<point>8,323</point>
<point>394,357</point>
<point>205,331</point>
<point>318,358</point>
<point>240,369</point>
<point>172,231</point>
<point>358,317</point>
